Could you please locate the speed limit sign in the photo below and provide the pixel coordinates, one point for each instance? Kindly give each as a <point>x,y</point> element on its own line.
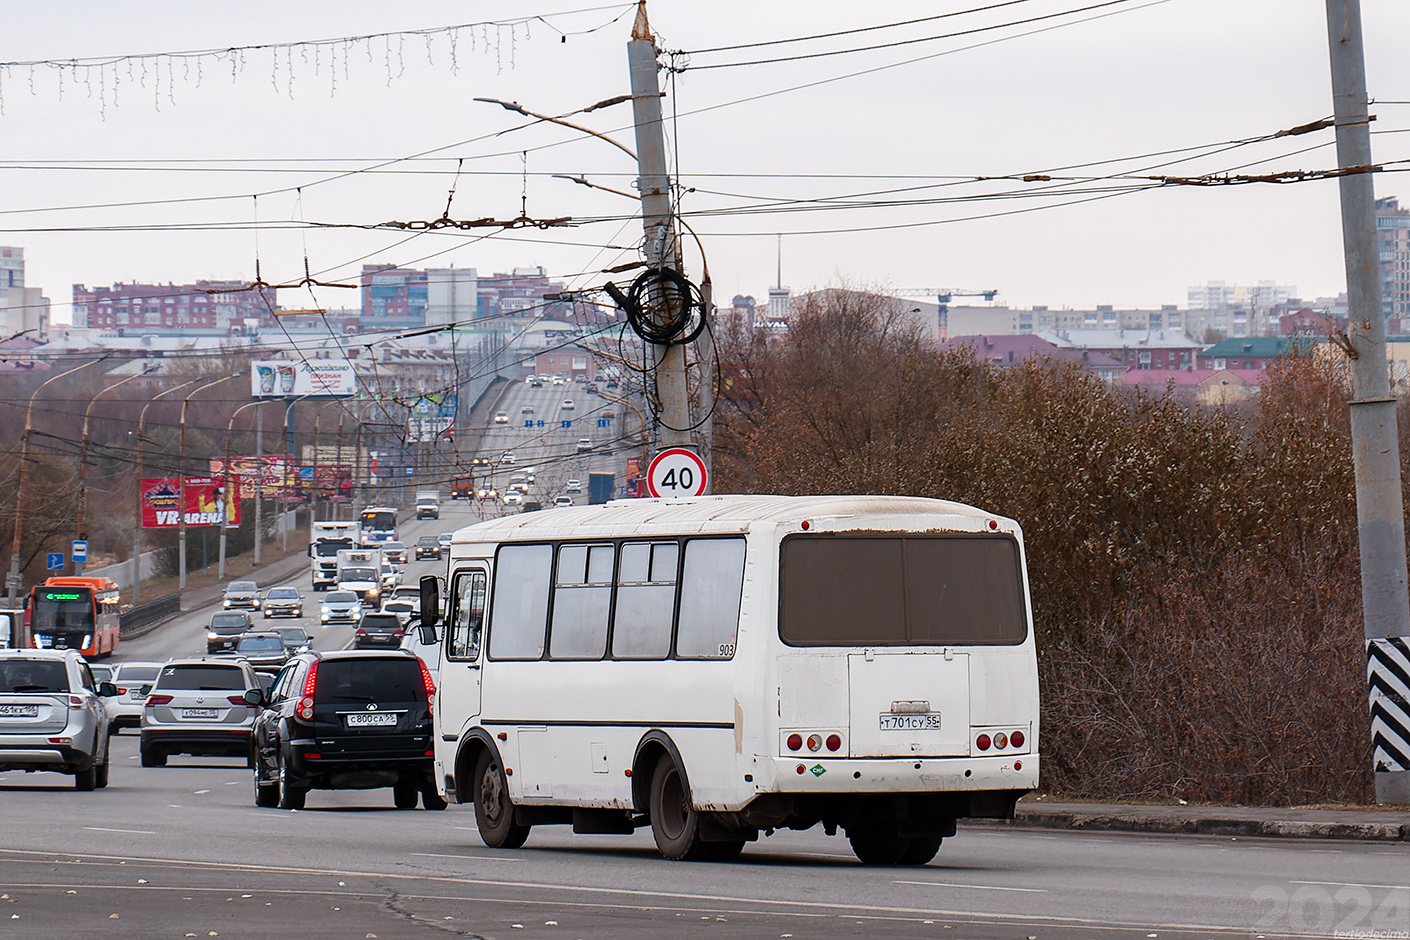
<point>676,471</point>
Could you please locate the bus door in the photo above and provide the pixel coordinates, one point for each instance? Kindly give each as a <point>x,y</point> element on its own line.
<point>458,699</point>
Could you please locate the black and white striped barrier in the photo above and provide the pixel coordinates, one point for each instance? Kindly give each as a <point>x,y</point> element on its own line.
<point>1388,676</point>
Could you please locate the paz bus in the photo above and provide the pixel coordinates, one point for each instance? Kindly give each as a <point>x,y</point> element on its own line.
<point>718,666</point>
<point>377,524</point>
<point>75,613</point>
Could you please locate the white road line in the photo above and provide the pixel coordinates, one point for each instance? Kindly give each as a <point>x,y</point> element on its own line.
<point>948,884</point>
<point>475,858</point>
<point>1349,884</point>
<point>140,832</point>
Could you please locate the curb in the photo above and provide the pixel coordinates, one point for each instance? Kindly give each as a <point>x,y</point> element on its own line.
<point>1216,826</point>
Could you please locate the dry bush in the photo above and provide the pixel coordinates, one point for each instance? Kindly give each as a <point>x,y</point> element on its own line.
<point>1194,575</point>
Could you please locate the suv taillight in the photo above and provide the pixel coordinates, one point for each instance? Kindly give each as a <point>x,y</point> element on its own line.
<point>430,686</point>
<point>306,708</point>
<point>158,700</point>
<point>311,682</point>
<point>237,700</point>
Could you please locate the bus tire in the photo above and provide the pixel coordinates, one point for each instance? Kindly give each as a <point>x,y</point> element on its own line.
<point>430,799</point>
<point>878,844</point>
<point>921,850</point>
<point>494,813</point>
<point>675,825</point>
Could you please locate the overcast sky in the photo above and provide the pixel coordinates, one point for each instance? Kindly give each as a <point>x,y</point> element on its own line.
<point>1153,77</point>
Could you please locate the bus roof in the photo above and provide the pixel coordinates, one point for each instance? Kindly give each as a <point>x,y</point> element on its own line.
<point>733,513</point>
<point>97,584</point>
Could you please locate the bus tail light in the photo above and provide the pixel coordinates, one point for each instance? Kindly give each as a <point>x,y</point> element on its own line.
<point>834,742</point>
<point>1016,739</point>
<point>158,700</point>
<point>982,742</point>
<point>795,741</point>
<point>1001,741</point>
<point>815,742</point>
<point>306,708</point>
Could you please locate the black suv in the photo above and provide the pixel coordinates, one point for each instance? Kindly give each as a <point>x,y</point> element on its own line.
<point>226,629</point>
<point>347,720</point>
<point>378,630</point>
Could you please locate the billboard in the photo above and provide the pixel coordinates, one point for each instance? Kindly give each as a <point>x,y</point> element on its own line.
<point>205,502</point>
<point>285,378</point>
<point>429,430</point>
<point>280,479</point>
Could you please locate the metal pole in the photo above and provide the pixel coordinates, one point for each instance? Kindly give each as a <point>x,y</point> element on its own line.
<point>313,491</point>
<point>1375,448</point>
<point>181,500</point>
<point>137,509</point>
<point>259,482</point>
<point>83,463</point>
<point>657,218</point>
<point>14,580</point>
<point>229,431</point>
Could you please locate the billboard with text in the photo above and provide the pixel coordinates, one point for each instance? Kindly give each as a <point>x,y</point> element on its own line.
<point>205,502</point>
<point>286,378</point>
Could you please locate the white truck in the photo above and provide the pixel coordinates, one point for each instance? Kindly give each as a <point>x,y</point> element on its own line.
<point>428,505</point>
<point>360,571</point>
<point>328,539</point>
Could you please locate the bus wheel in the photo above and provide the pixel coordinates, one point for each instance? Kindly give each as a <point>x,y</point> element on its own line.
<point>674,824</point>
<point>494,814</point>
<point>879,845</point>
<point>921,850</point>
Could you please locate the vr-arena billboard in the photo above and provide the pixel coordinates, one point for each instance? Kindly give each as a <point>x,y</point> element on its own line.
<point>287,378</point>
<point>205,502</point>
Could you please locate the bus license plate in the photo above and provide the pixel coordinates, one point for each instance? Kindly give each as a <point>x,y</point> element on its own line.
<point>929,722</point>
<point>199,713</point>
<point>371,719</point>
<point>19,711</point>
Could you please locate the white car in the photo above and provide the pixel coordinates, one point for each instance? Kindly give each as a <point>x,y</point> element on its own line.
<point>560,502</point>
<point>568,404</point>
<point>403,607</point>
<point>501,417</point>
<point>574,486</point>
<point>513,499</point>
<point>584,444</point>
<point>507,457</point>
<point>133,680</point>
<point>559,380</point>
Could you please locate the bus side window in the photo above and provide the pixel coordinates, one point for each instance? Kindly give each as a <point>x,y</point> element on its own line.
<point>468,616</point>
<point>712,581</point>
<point>519,608</point>
<point>581,600</point>
<point>646,600</point>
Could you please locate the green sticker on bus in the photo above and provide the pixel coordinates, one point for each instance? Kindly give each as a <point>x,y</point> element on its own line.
<point>817,770</point>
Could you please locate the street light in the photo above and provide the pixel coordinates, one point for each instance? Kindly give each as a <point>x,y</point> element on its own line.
<point>181,471</point>
<point>83,459</point>
<point>137,514</point>
<point>289,457</point>
<point>225,518</point>
<point>12,583</point>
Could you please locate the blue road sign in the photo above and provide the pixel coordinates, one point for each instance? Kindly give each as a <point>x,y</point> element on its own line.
<point>602,422</point>
<point>565,424</point>
<point>56,561</point>
<point>80,550</point>
<point>528,422</point>
<point>540,422</point>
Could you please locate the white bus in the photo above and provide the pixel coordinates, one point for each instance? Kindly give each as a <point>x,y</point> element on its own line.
<point>377,524</point>
<point>716,666</point>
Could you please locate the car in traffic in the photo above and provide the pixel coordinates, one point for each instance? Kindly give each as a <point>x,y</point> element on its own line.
<point>584,444</point>
<point>574,485</point>
<point>377,629</point>
<point>527,410</point>
<point>201,707</point>
<point>395,552</point>
<point>241,594</point>
<point>428,546</point>
<point>404,608</point>
<point>102,672</point>
<point>390,576</point>
<point>285,601</point>
<point>487,493</point>
<point>446,538</point>
<point>295,639</point>
<point>560,502</point>
<point>343,720</point>
<point>133,681</point>
<point>507,457</point>
<point>52,716</point>
<point>559,380</point>
<point>480,463</point>
<point>265,651</point>
<point>567,404</point>
<point>225,629</point>
<point>513,498</point>
<point>501,417</point>
<point>340,607</point>
<point>428,653</point>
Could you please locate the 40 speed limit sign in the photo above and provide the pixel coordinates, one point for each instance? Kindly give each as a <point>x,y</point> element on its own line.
<point>676,471</point>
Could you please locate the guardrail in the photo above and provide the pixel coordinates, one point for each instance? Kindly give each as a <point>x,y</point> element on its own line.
<point>143,617</point>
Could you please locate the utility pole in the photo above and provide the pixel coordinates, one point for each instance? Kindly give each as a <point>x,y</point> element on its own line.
<point>1374,444</point>
<point>658,222</point>
<point>259,482</point>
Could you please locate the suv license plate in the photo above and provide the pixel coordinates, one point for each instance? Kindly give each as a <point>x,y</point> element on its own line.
<point>199,713</point>
<point>19,711</point>
<point>372,718</point>
<point>929,722</point>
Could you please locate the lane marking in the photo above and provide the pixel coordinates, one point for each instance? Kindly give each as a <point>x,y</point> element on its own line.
<point>476,858</point>
<point>1349,884</point>
<point>950,884</point>
<point>140,832</point>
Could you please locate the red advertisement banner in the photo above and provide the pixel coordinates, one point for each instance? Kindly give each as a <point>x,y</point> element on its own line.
<point>205,502</point>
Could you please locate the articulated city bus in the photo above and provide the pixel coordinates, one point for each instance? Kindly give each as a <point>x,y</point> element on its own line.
<point>75,613</point>
<point>721,665</point>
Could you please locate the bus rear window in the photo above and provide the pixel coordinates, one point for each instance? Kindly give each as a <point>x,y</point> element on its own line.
<point>920,590</point>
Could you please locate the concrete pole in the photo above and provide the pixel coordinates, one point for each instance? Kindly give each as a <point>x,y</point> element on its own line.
<point>229,432</point>
<point>83,464</point>
<point>137,508</point>
<point>1374,436</point>
<point>657,218</point>
<point>181,487</point>
<point>14,579</point>
<point>259,482</point>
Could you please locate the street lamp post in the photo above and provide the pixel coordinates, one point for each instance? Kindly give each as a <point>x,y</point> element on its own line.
<point>83,461</point>
<point>224,521</point>
<point>13,581</point>
<point>181,476</point>
<point>137,512</point>
<point>289,458</point>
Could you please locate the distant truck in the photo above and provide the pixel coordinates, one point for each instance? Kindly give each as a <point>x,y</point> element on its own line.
<point>600,487</point>
<point>360,571</point>
<point>329,538</point>
<point>11,629</point>
<point>428,505</point>
<point>462,486</point>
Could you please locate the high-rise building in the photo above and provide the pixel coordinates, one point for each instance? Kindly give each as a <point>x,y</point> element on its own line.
<point>1217,295</point>
<point>213,306</point>
<point>1393,234</point>
<point>23,310</point>
<point>450,295</point>
<point>393,297</point>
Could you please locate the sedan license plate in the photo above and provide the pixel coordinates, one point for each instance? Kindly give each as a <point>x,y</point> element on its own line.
<point>928,722</point>
<point>372,718</point>
<point>19,711</point>
<point>200,713</point>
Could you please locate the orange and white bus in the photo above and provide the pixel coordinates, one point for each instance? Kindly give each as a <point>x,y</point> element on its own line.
<point>75,613</point>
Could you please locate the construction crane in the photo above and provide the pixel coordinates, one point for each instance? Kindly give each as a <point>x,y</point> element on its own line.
<point>943,296</point>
